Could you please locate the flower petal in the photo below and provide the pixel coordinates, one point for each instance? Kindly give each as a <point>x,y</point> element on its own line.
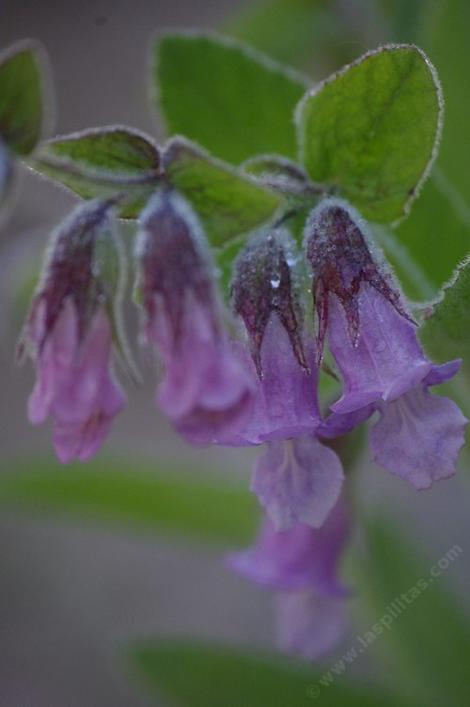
<point>387,359</point>
<point>443,372</point>
<point>337,425</point>
<point>81,438</point>
<point>206,391</point>
<point>299,558</point>
<point>297,480</point>
<point>418,437</point>
<point>78,399</point>
<point>54,363</point>
<point>310,624</point>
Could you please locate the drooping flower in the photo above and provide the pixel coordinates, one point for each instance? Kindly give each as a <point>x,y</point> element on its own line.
<point>373,340</point>
<point>69,334</point>
<point>296,479</point>
<point>302,564</point>
<point>205,390</point>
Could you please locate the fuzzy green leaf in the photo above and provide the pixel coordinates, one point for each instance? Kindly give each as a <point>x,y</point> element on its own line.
<point>232,100</point>
<point>371,130</point>
<point>103,162</point>
<point>228,202</point>
<point>22,85</point>
<point>114,151</point>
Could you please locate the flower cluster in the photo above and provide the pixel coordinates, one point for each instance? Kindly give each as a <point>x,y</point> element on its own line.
<point>250,377</point>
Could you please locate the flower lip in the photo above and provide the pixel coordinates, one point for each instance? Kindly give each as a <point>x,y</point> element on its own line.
<point>350,402</point>
<point>418,437</point>
<point>297,481</point>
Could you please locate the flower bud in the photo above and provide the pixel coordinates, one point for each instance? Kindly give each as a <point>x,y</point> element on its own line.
<point>69,335</point>
<point>205,390</point>
<point>263,286</point>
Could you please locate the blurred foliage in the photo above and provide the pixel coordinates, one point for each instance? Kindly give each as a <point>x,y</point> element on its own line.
<point>446,333</point>
<point>428,643</point>
<point>22,82</point>
<point>438,230</point>
<point>198,675</point>
<point>308,34</point>
<point>132,494</point>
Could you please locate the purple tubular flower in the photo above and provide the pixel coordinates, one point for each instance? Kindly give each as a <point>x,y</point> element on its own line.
<point>374,343</point>
<point>297,479</point>
<point>205,391</point>
<point>69,332</point>
<point>301,564</point>
<point>285,404</point>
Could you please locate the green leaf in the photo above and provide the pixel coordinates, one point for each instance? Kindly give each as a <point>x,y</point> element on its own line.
<point>228,202</point>
<point>117,152</point>
<point>446,332</point>
<point>135,495</point>
<point>186,673</point>
<point>437,232</point>
<point>371,130</point>
<point>304,33</point>
<point>23,80</point>
<point>103,162</point>
<point>429,633</point>
<point>232,100</point>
